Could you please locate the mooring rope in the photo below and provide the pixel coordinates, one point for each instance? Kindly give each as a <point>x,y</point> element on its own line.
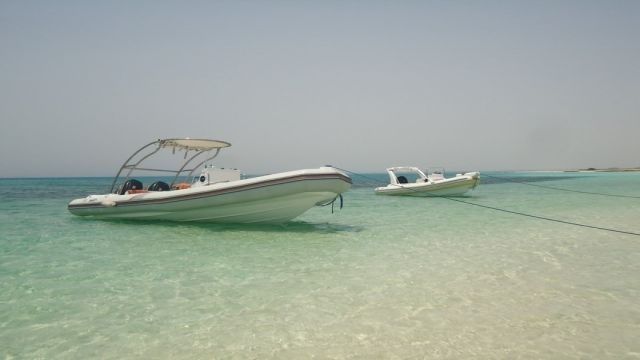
<point>559,189</point>
<point>502,210</point>
<point>543,217</point>
<point>333,202</point>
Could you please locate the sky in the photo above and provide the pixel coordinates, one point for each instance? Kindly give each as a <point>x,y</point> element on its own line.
<point>362,85</point>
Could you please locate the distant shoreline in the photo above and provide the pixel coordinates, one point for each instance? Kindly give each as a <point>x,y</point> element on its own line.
<point>588,170</point>
<point>605,170</point>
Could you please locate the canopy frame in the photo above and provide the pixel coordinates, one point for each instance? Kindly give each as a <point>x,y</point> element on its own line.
<point>201,146</point>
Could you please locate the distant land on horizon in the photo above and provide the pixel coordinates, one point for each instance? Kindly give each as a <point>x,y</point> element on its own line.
<point>591,169</point>
<point>612,169</point>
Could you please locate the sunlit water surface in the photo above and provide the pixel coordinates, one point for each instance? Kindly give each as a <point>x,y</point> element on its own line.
<point>385,277</point>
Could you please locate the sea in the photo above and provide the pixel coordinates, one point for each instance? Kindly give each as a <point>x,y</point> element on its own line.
<point>382,278</point>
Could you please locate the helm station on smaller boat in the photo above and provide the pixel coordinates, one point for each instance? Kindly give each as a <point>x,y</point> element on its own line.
<point>216,195</point>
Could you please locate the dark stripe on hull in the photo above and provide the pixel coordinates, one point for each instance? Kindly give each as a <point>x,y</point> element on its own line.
<point>215,192</point>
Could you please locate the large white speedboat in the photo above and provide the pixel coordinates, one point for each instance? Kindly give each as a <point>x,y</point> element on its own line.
<point>434,184</point>
<point>216,195</point>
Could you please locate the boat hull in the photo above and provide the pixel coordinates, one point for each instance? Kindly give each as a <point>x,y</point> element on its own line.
<point>449,187</point>
<point>267,199</point>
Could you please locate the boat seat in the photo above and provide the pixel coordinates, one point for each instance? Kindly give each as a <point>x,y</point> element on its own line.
<point>402,180</point>
<point>181,186</point>
<point>140,191</point>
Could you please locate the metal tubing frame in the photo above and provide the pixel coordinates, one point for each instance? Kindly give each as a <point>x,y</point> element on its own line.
<point>195,167</point>
<point>126,163</point>
<point>202,162</point>
<point>134,166</point>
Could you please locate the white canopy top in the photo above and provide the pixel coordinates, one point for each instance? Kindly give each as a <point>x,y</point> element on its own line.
<point>193,144</point>
<point>404,169</point>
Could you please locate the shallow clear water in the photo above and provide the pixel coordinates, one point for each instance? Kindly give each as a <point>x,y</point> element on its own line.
<point>385,277</point>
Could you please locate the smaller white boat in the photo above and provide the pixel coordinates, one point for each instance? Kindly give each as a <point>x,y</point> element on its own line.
<point>421,184</point>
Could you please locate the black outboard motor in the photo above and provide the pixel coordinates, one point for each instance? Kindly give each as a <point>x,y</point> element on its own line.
<point>159,186</point>
<point>131,184</point>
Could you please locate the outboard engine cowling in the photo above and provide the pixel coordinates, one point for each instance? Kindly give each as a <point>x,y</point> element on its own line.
<point>159,186</point>
<point>131,184</point>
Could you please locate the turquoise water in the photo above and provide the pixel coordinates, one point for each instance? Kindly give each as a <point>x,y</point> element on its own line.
<point>385,277</point>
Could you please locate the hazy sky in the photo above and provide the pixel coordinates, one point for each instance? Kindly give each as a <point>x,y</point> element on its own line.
<point>364,85</point>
